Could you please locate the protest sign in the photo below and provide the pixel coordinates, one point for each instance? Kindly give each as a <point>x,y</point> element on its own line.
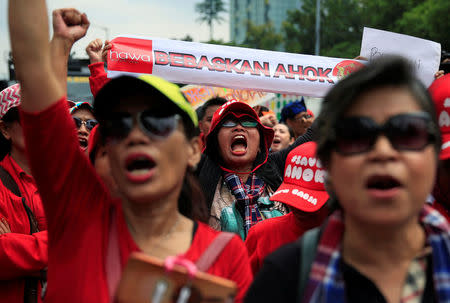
<point>424,54</point>
<point>199,94</point>
<point>227,66</point>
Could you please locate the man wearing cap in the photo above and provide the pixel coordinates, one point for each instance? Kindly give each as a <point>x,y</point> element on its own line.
<point>304,192</point>
<point>440,92</point>
<point>23,235</point>
<point>297,117</point>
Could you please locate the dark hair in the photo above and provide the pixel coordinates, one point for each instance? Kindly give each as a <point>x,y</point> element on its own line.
<point>211,102</point>
<point>191,202</point>
<point>260,110</point>
<point>5,145</point>
<point>387,71</point>
<point>291,131</point>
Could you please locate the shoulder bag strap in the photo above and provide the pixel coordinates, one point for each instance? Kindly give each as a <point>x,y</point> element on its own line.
<point>213,251</point>
<point>113,268</point>
<point>308,242</point>
<point>10,184</point>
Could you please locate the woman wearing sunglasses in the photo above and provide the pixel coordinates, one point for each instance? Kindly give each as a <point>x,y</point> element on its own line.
<point>83,117</point>
<point>149,129</point>
<point>237,172</point>
<point>379,139</point>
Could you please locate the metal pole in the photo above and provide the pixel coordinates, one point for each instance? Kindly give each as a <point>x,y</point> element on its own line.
<point>317,50</point>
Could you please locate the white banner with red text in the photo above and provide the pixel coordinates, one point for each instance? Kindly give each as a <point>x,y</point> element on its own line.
<point>227,66</point>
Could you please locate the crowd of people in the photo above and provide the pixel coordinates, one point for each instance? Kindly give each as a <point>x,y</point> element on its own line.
<point>347,205</point>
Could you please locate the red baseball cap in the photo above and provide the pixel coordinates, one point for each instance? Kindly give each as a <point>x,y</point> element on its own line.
<point>440,92</point>
<point>303,182</point>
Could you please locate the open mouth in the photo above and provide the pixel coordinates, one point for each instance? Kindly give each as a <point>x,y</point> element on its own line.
<point>239,145</point>
<point>276,141</point>
<point>382,183</point>
<point>139,165</point>
<point>83,142</point>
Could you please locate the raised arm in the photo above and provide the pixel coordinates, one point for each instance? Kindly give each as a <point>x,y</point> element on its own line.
<point>64,36</point>
<point>42,82</point>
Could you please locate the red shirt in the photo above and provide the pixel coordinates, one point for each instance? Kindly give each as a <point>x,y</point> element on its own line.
<point>21,254</point>
<point>98,77</point>
<point>268,235</point>
<point>77,207</point>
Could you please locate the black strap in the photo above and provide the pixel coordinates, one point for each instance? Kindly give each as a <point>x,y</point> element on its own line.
<point>308,242</point>
<point>31,283</point>
<point>10,184</point>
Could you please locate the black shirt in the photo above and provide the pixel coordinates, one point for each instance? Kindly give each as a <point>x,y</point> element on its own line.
<point>278,279</point>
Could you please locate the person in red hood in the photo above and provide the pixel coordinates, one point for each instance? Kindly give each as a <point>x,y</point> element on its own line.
<point>236,171</point>
<point>23,235</point>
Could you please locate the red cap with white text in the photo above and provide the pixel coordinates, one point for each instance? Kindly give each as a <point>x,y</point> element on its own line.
<point>440,92</point>
<point>303,183</point>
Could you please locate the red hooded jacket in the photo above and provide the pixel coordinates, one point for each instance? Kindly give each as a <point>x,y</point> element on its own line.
<point>21,254</point>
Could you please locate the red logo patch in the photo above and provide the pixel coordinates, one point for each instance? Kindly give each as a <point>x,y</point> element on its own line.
<point>346,67</point>
<point>131,55</point>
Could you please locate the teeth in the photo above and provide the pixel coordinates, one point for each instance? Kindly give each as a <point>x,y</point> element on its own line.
<point>139,171</point>
<point>239,137</point>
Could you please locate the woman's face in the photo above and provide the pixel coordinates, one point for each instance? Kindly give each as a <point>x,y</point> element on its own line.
<point>238,146</point>
<point>383,186</point>
<point>83,132</point>
<point>146,169</point>
<point>282,138</point>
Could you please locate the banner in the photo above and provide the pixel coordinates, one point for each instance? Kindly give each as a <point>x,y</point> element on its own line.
<point>227,66</point>
<point>199,94</point>
<point>425,55</point>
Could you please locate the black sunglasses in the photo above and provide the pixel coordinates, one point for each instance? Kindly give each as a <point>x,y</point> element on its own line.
<point>247,123</point>
<point>119,125</point>
<point>90,124</point>
<point>413,131</point>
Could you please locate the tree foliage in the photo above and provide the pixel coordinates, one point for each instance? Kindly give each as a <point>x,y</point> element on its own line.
<point>263,37</point>
<point>342,23</point>
<point>210,12</point>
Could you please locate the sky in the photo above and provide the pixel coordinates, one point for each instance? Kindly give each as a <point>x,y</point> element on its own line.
<point>172,19</point>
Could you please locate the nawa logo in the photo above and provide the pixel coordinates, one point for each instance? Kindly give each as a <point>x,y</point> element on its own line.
<point>131,55</point>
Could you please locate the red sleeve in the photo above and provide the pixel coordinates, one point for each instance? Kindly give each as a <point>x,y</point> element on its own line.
<point>22,255</point>
<point>252,247</point>
<point>68,184</point>
<point>237,262</point>
<point>98,77</point>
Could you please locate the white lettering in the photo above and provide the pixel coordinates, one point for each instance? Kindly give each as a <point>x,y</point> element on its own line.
<point>294,158</point>
<point>287,173</point>
<point>312,161</point>
<point>304,161</point>
<point>296,172</point>
<point>320,176</point>
<point>447,102</point>
<point>444,119</point>
<point>319,164</point>
<point>308,174</point>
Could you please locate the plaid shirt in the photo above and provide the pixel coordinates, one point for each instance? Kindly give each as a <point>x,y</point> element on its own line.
<point>326,283</point>
<point>247,196</point>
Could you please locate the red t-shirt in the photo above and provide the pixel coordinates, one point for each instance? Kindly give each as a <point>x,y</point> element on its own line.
<point>268,235</point>
<point>77,206</point>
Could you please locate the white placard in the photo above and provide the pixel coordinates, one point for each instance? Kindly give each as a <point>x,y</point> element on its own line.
<point>424,54</point>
